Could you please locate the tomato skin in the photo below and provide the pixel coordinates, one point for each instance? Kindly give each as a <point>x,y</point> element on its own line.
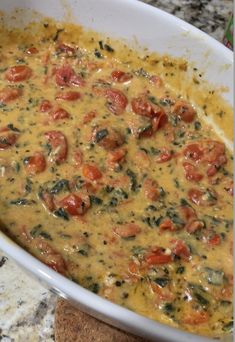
<point>45,106</point>
<point>142,107</point>
<point>36,163</point>
<point>9,94</point>
<point>198,197</point>
<point>91,172</point>
<point>215,240</point>
<point>59,114</point>
<point>188,213</point>
<point>18,73</point>
<point>191,173</point>
<point>117,155</point>
<point>111,141</point>
<point>78,157</point>
<point>117,101</point>
<point>156,80</point>
<point>196,317</point>
<point>181,249</point>
<point>164,156</point>
<point>59,145</point>
<point>127,230</point>
<point>63,75</point>
<point>121,76</point>
<point>68,96</point>
<point>158,257</point>
<point>7,138</point>
<point>209,153</point>
<point>73,204</point>
<point>50,256</point>
<point>88,117</point>
<point>167,224</point>
<point>195,196</point>
<point>66,49</point>
<point>48,200</point>
<point>184,111</point>
<point>32,51</point>
<point>194,152</point>
<point>150,188</point>
<point>194,226</point>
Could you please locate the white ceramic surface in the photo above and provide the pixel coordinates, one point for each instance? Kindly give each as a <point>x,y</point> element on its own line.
<point>160,32</point>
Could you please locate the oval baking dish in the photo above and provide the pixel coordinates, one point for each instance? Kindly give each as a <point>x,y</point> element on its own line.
<point>142,27</point>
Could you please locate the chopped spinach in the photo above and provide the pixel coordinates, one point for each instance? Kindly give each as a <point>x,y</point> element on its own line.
<point>37,231</point>
<point>22,201</point>
<point>61,185</point>
<point>62,214</point>
<point>133,179</point>
<point>94,288</point>
<point>95,200</point>
<point>162,282</point>
<point>101,135</point>
<point>56,36</point>
<point>214,277</point>
<point>13,128</point>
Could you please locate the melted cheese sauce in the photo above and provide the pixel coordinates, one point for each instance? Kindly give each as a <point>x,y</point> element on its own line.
<point>109,175</point>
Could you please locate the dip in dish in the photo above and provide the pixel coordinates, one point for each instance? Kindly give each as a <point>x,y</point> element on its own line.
<point>123,187</point>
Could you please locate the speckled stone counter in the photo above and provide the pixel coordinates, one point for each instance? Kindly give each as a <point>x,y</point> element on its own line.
<point>26,308</point>
<point>210,16</point>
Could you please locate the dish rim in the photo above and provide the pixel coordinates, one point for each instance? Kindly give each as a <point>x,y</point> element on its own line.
<point>90,302</point>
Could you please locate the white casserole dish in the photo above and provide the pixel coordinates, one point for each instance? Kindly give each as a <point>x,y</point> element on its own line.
<point>160,32</point>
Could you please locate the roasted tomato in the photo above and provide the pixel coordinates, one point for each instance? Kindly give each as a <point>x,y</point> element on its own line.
<point>32,51</point>
<point>59,146</point>
<point>88,117</point>
<point>116,157</point>
<point>73,204</point>
<point>59,114</point>
<point>150,188</point>
<point>50,256</point>
<point>63,48</point>
<point>127,230</point>
<point>209,153</point>
<point>116,101</point>
<point>121,76</point>
<point>47,200</point>
<point>141,106</point>
<point>191,172</point>
<point>18,73</point>
<point>184,111</point>
<point>158,118</point>
<point>156,80</point>
<point>109,138</point>
<point>158,256</point>
<point>165,155</point>
<point>195,317</point>
<point>8,138</point>
<point>204,198</point>
<point>194,152</point>
<point>78,157</point>
<point>36,163</point>
<point>167,224</point>
<point>91,172</point>
<point>180,249</point>
<point>65,76</point>
<point>9,94</point>
<point>68,96</point>
<point>45,106</point>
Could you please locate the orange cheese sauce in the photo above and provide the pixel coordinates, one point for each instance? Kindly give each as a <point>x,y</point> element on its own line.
<point>109,175</point>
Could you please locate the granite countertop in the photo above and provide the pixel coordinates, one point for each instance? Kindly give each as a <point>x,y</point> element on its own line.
<point>26,308</point>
